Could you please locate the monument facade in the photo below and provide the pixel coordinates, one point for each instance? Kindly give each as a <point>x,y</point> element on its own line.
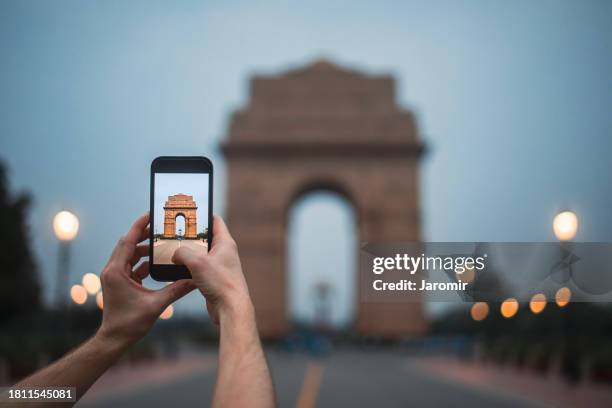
<point>175,206</point>
<point>322,127</point>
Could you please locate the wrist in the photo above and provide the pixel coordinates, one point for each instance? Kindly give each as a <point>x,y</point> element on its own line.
<point>110,341</point>
<point>237,308</point>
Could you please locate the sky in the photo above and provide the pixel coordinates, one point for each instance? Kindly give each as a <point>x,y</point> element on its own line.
<point>193,184</point>
<point>322,238</point>
<point>512,100</point>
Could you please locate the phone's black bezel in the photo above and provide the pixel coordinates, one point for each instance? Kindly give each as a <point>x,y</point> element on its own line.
<point>177,164</point>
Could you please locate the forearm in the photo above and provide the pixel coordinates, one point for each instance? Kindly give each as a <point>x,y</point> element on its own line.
<point>80,368</point>
<point>244,378</point>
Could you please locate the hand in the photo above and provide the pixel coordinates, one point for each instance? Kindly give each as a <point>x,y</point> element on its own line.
<point>218,274</point>
<point>130,309</point>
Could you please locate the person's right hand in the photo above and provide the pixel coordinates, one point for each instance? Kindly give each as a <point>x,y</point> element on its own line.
<point>218,274</point>
<point>129,308</point>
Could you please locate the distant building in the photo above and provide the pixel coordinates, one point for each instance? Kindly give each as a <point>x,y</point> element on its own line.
<point>330,128</point>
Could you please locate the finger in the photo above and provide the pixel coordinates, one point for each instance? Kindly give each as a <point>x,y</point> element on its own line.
<point>220,231</point>
<point>141,272</point>
<point>139,252</point>
<point>145,234</point>
<point>127,244</point>
<point>137,229</point>
<point>173,292</point>
<point>185,256</point>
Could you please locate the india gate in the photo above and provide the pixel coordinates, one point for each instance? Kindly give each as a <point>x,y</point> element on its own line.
<point>322,127</point>
<point>175,206</point>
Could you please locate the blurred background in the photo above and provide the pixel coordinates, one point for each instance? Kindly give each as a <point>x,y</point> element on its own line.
<point>511,101</point>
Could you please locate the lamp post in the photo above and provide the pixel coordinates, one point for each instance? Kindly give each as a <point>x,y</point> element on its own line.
<point>322,317</point>
<point>65,227</point>
<point>565,227</point>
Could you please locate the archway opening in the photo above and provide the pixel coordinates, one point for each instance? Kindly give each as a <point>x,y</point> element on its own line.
<point>179,222</point>
<point>322,261</point>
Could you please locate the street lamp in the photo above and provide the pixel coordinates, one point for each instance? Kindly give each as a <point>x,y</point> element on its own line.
<point>91,283</point>
<point>65,227</point>
<point>167,313</point>
<point>509,308</point>
<point>479,311</point>
<point>563,296</point>
<point>537,304</point>
<point>565,225</point>
<point>100,300</point>
<point>78,294</point>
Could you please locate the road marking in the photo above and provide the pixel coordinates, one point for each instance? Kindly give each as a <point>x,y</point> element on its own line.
<point>310,386</point>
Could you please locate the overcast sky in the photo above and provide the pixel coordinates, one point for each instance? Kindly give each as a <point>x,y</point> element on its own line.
<point>513,100</point>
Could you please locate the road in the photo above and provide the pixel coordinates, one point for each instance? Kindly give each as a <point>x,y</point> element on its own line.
<point>164,249</point>
<point>381,378</point>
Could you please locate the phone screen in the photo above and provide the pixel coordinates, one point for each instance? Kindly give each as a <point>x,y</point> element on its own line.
<point>181,214</point>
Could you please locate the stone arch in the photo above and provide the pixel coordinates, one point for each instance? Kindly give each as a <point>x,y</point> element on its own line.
<point>321,127</point>
<point>180,204</point>
<point>320,184</point>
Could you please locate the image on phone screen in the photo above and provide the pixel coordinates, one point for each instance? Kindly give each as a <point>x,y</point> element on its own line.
<point>181,214</point>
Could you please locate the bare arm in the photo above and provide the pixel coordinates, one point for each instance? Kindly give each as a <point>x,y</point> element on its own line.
<point>80,368</point>
<point>129,312</point>
<point>243,378</point>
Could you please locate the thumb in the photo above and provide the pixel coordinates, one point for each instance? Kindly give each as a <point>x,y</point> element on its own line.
<point>173,292</point>
<point>185,256</point>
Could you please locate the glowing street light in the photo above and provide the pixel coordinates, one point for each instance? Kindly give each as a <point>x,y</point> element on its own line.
<point>78,294</point>
<point>563,296</point>
<point>537,303</point>
<point>91,282</point>
<point>65,227</point>
<point>479,311</point>
<point>100,301</point>
<point>509,307</point>
<point>167,313</point>
<point>565,225</point>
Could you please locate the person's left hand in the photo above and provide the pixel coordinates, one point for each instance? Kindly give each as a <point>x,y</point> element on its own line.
<point>130,309</point>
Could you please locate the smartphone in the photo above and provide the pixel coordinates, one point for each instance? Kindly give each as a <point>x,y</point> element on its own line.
<point>181,212</point>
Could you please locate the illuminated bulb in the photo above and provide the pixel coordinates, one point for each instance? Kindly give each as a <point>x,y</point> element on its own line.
<point>78,294</point>
<point>509,307</point>
<point>65,225</point>
<point>479,311</point>
<point>563,296</point>
<point>100,301</point>
<point>537,303</point>
<point>91,282</point>
<point>565,225</point>
<point>167,313</point>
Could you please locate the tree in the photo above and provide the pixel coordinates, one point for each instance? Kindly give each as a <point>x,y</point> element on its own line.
<point>203,235</point>
<point>20,288</point>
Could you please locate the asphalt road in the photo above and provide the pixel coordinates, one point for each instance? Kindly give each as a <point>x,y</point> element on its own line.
<point>164,249</point>
<point>349,378</point>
